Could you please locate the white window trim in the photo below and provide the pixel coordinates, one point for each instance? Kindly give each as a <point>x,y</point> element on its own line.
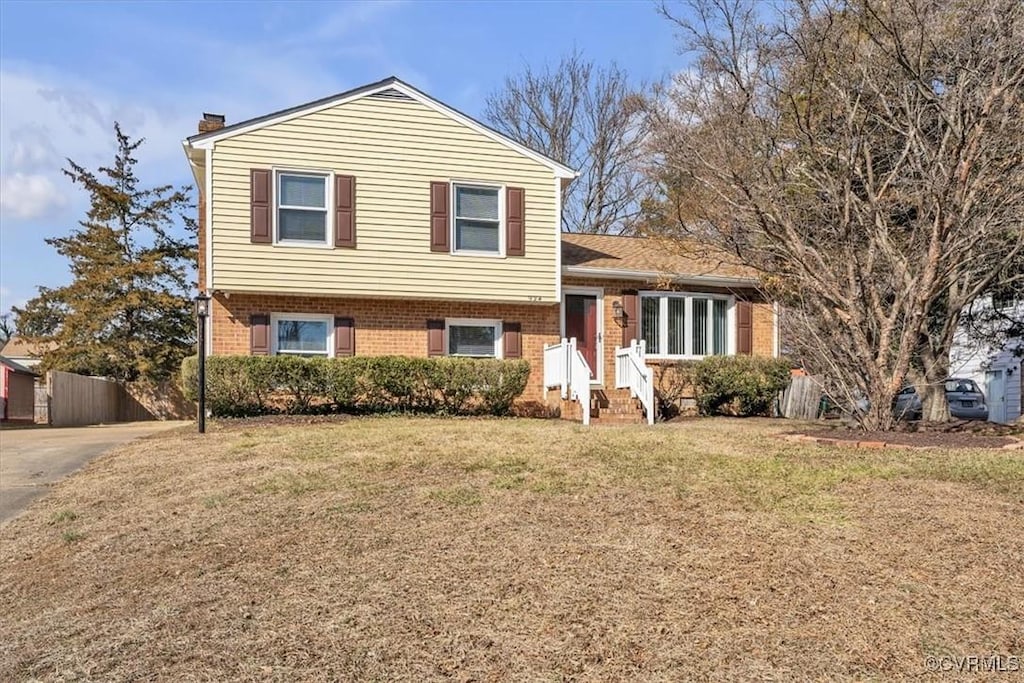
<point>304,317</point>
<point>663,297</point>
<point>328,177</point>
<point>475,322</point>
<point>500,187</point>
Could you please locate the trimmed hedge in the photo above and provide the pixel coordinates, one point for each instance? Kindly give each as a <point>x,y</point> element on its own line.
<point>739,385</point>
<point>238,386</point>
<point>726,385</point>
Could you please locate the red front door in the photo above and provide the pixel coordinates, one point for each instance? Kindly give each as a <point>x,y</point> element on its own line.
<point>581,322</point>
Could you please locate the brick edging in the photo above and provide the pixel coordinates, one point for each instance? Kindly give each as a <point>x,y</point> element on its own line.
<point>1017,445</point>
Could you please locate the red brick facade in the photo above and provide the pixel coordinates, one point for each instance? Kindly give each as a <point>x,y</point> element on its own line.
<point>399,327</point>
<point>387,326</point>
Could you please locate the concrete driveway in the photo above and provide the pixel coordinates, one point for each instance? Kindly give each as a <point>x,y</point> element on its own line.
<point>33,459</point>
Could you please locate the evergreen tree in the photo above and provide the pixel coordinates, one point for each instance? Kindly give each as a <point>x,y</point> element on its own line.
<point>127,312</point>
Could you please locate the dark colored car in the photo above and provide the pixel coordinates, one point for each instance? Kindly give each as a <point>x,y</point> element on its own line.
<point>965,399</point>
<point>907,404</point>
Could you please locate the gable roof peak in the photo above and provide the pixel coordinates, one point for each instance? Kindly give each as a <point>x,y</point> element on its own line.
<point>402,90</point>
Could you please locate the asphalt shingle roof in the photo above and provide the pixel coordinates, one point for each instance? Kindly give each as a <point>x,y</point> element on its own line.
<point>19,347</point>
<point>673,257</point>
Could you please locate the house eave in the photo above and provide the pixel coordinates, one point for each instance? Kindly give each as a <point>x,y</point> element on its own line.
<point>653,275</point>
<point>196,161</point>
<point>372,296</point>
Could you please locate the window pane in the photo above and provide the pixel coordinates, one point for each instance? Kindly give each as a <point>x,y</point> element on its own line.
<point>676,325</point>
<point>649,314</point>
<point>298,190</point>
<point>700,327</point>
<point>467,340</point>
<point>296,224</point>
<point>476,235</point>
<point>718,317</point>
<point>476,202</point>
<point>302,336</point>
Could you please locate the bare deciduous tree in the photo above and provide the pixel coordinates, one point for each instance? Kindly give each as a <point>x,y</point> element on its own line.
<point>868,158</point>
<point>589,118</point>
<point>6,327</point>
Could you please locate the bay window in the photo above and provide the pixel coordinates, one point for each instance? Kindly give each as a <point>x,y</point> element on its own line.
<point>683,325</point>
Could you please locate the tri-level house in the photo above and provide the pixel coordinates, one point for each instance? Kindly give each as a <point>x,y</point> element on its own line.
<point>381,221</point>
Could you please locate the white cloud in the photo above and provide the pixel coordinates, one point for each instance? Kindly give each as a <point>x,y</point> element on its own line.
<point>43,112</point>
<point>26,196</point>
<point>48,115</point>
<point>345,21</point>
<point>32,149</point>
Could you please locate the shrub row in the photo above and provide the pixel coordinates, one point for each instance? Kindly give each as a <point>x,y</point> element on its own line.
<point>727,385</point>
<point>239,386</point>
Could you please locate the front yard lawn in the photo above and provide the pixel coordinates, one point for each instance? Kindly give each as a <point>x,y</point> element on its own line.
<point>418,548</point>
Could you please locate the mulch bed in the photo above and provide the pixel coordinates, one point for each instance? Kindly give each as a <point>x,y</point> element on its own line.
<point>959,434</point>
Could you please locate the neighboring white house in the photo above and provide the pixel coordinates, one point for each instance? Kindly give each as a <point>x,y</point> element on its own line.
<point>996,370</point>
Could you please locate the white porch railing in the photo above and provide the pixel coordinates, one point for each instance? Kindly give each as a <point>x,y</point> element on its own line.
<point>631,372</point>
<point>567,370</point>
<point>556,366</point>
<point>579,381</point>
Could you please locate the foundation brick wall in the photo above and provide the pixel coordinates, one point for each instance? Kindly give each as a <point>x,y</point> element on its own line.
<point>386,327</point>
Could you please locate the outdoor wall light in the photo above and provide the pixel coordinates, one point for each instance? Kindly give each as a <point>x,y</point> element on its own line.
<point>202,306</point>
<point>618,314</point>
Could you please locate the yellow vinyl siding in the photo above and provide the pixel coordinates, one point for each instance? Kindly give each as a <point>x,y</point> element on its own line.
<point>394,148</point>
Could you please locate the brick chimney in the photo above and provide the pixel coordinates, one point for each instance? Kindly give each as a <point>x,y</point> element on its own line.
<point>211,122</point>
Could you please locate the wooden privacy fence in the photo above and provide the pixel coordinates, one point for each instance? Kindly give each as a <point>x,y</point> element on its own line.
<point>74,400</point>
<point>42,407</point>
<point>801,400</point>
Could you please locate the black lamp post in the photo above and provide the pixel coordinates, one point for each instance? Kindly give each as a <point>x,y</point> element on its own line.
<point>202,311</point>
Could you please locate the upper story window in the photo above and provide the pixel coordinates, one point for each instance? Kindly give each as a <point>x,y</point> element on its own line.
<point>302,215</point>
<point>477,219</point>
<point>302,335</point>
<point>685,325</point>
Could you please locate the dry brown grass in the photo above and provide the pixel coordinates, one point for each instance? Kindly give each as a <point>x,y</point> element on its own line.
<point>412,549</point>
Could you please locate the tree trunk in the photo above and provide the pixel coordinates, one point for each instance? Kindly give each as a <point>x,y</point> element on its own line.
<point>935,408</point>
<point>932,390</point>
<point>879,416</point>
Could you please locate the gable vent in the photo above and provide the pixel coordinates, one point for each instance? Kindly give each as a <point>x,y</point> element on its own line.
<point>391,94</point>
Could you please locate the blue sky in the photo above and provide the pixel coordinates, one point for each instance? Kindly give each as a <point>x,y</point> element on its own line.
<point>69,69</point>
